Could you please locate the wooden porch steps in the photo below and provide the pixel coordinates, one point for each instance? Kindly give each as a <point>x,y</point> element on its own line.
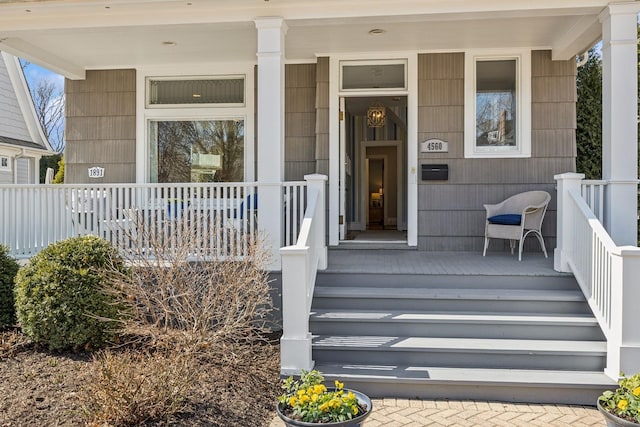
<point>513,336</point>
<point>509,385</point>
<point>458,325</point>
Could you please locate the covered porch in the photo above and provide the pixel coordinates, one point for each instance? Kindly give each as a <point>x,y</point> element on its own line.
<point>295,125</point>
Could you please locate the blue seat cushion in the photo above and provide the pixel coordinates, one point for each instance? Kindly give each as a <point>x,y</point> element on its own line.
<point>506,219</point>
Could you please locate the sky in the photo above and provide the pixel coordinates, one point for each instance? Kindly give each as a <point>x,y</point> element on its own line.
<point>35,73</point>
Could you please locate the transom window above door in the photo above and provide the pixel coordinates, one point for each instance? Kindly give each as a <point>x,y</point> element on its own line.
<point>367,75</point>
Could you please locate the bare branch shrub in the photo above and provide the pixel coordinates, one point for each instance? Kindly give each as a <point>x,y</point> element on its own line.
<point>196,313</point>
<point>130,388</point>
<point>183,288</point>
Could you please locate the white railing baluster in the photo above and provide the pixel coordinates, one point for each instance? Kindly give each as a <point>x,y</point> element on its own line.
<point>593,194</point>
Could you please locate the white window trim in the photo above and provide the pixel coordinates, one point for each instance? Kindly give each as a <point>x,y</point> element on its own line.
<point>523,104</point>
<point>412,134</point>
<point>144,115</point>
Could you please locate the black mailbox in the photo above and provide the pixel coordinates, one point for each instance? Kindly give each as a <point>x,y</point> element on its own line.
<point>435,172</point>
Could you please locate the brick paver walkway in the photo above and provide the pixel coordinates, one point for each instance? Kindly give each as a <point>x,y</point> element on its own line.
<point>436,413</point>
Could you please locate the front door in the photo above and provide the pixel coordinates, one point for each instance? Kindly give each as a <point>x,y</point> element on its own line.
<point>388,86</point>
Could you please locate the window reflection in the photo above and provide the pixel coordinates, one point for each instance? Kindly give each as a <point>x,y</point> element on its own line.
<point>197,151</point>
<point>496,103</point>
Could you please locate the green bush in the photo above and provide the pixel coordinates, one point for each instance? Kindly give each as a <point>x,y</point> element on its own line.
<point>8,269</point>
<point>60,295</point>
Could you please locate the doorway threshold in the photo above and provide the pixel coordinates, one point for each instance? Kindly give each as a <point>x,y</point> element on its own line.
<point>373,245</point>
<point>375,239</point>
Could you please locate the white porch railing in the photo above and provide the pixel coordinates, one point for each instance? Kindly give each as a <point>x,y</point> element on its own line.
<point>607,274</point>
<point>223,216</point>
<point>295,199</point>
<point>593,194</point>
<point>300,264</point>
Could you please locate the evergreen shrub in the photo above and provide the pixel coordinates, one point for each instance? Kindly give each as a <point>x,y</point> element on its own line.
<point>8,269</point>
<point>61,298</point>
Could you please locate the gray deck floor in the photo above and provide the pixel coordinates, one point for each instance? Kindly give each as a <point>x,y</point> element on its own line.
<point>457,263</point>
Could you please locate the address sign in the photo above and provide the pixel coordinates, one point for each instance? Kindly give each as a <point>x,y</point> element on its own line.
<point>434,145</point>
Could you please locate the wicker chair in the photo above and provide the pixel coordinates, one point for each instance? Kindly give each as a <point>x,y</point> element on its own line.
<point>515,218</point>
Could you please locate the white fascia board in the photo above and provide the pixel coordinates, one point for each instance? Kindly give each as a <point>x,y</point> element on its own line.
<point>25,101</point>
<point>31,152</point>
<point>31,53</point>
<point>577,39</point>
<point>91,14</point>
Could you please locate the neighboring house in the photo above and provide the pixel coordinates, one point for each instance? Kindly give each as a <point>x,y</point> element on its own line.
<point>22,141</point>
<point>418,112</point>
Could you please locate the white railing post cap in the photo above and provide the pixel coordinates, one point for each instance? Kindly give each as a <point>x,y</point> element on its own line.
<point>316,177</point>
<point>569,175</point>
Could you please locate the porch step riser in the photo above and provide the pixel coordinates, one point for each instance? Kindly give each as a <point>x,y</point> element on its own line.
<point>457,330</point>
<point>490,360</point>
<point>450,305</point>
<point>553,394</point>
<point>445,281</point>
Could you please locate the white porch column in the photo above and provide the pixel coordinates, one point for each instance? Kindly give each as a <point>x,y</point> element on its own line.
<point>270,135</point>
<point>564,239</point>
<point>620,121</point>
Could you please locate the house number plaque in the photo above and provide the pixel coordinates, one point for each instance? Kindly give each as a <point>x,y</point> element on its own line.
<point>96,172</point>
<point>434,145</point>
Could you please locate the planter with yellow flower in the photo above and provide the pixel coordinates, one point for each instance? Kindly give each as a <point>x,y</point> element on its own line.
<point>622,407</point>
<point>307,402</point>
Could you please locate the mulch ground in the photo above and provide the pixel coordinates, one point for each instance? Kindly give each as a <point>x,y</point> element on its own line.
<point>41,388</point>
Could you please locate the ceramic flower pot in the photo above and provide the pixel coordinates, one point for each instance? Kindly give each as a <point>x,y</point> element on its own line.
<point>613,420</point>
<point>363,399</point>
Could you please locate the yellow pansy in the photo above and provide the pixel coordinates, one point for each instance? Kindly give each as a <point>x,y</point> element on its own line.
<point>339,385</point>
<point>622,405</point>
<point>324,407</point>
<point>314,398</point>
<point>301,393</point>
<point>636,391</point>
<point>354,409</point>
<point>319,388</point>
<point>293,400</point>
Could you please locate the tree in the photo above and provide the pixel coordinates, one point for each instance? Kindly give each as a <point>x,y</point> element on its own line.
<point>52,162</point>
<point>59,177</point>
<point>589,117</point>
<point>49,103</point>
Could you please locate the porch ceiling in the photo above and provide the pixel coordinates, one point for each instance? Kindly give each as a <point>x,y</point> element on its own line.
<point>73,36</point>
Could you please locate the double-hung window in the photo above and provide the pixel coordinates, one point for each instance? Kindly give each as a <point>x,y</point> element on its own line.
<point>498,105</point>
